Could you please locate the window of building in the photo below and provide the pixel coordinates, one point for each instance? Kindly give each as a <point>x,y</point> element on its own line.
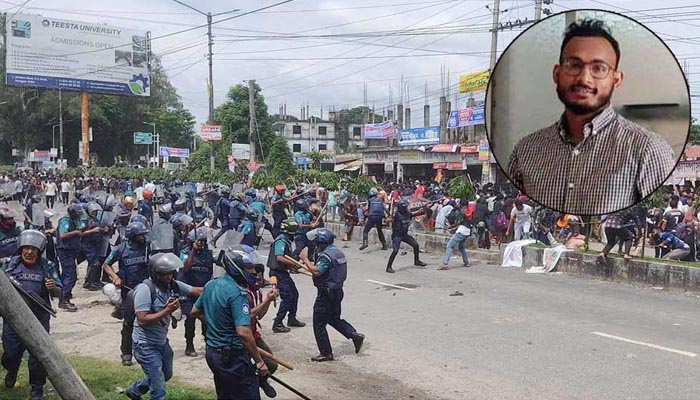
<point>356,132</point>
<point>322,147</point>
<point>296,130</point>
<point>322,130</point>
<point>296,148</point>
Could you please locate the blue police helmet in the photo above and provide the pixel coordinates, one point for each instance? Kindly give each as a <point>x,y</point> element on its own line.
<point>136,228</point>
<point>235,260</point>
<point>324,235</point>
<point>373,192</point>
<point>252,214</point>
<point>402,204</point>
<point>138,218</point>
<point>301,205</point>
<point>251,193</point>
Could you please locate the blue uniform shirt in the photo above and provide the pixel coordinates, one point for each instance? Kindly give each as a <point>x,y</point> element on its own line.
<point>302,217</point>
<point>156,333</point>
<point>225,306</point>
<point>323,264</point>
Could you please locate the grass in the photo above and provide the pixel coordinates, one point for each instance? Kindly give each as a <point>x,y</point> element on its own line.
<point>104,378</point>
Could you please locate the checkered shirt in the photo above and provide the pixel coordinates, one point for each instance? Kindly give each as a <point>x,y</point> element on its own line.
<point>617,164</point>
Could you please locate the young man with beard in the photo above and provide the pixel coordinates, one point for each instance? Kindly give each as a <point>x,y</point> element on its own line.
<point>592,161</point>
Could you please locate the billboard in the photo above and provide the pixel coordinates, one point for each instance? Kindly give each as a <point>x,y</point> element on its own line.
<point>56,53</point>
<point>381,130</point>
<point>210,132</point>
<point>466,117</point>
<point>143,138</point>
<point>474,82</point>
<point>174,152</point>
<point>419,136</point>
<point>240,151</point>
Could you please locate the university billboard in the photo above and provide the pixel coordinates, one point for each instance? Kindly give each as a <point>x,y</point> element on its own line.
<point>70,55</point>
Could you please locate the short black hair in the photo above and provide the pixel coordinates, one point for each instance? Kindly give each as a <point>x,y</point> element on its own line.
<point>589,28</point>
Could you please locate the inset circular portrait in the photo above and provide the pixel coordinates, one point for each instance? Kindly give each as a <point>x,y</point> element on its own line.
<point>587,112</point>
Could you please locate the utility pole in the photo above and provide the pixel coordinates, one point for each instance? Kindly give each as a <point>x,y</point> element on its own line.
<point>494,33</point>
<point>251,111</point>
<point>60,126</point>
<point>538,10</point>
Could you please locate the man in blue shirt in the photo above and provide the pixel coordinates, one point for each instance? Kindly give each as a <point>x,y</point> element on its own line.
<point>303,218</point>
<point>678,248</point>
<point>279,267</point>
<point>154,301</point>
<point>69,233</point>
<point>230,342</point>
<point>247,228</point>
<point>329,273</point>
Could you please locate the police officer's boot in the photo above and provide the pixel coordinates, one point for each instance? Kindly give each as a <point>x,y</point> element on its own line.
<point>419,263</point>
<point>357,340</point>
<point>322,357</point>
<point>10,379</point>
<point>294,322</point>
<point>384,246</point>
<point>126,360</point>
<point>67,305</point>
<point>266,387</point>
<point>364,244</point>
<point>189,349</point>
<point>278,327</point>
<point>389,269</point>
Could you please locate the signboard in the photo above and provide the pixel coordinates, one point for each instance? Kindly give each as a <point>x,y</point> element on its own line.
<point>143,138</point>
<point>381,130</point>
<point>174,152</point>
<point>39,156</point>
<point>686,170</point>
<point>419,136</point>
<point>171,166</point>
<point>466,117</point>
<point>57,53</point>
<point>210,132</point>
<point>48,165</point>
<point>474,82</point>
<point>240,151</point>
<point>483,150</point>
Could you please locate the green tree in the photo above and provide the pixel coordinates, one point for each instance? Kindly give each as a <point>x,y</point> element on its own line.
<point>358,114</point>
<point>281,162</point>
<point>694,134</point>
<point>317,157</point>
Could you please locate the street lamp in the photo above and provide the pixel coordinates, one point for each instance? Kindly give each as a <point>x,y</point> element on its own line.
<point>156,144</point>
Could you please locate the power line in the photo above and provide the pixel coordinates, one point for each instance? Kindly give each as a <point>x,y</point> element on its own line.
<point>354,58</point>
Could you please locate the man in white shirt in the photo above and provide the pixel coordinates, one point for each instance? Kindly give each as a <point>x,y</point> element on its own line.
<point>65,189</point>
<point>441,223</point>
<point>520,220</point>
<point>51,190</point>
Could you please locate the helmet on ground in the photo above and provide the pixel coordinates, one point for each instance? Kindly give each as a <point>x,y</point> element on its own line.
<point>324,235</point>
<point>252,214</point>
<point>289,227</point>
<point>74,211</point>
<point>279,189</point>
<point>129,200</point>
<point>93,207</point>
<point>198,202</point>
<point>164,263</point>
<point>147,194</point>
<point>301,205</point>
<point>164,210</point>
<point>373,192</point>
<point>34,238</point>
<point>136,228</point>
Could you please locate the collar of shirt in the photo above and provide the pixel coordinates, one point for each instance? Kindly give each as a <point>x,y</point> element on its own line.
<point>599,122</point>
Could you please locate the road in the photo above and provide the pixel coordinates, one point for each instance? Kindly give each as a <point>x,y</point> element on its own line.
<point>511,335</point>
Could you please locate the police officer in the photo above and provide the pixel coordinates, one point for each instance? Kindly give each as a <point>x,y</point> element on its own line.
<point>29,213</point>
<point>69,233</point>
<point>376,214</point>
<point>180,207</point>
<point>39,276</point>
<point>279,267</point>
<point>201,212</point>
<point>155,299</point>
<point>9,232</point>
<point>399,226</point>
<point>262,221</point>
<point>197,271</point>
<point>248,229</point>
<point>237,210</point>
<point>163,233</point>
<point>181,226</point>
<point>91,243</point>
<point>279,209</point>
<point>133,269</point>
<point>124,214</point>
<point>145,207</point>
<point>255,274</point>
<point>224,208</point>
<point>230,342</point>
<point>329,273</point>
<point>303,218</point>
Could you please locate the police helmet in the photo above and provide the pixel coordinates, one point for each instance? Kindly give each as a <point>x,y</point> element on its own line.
<point>251,193</point>
<point>164,210</point>
<point>289,227</point>
<point>252,214</point>
<point>402,206</point>
<point>34,238</point>
<point>198,202</point>
<point>324,235</point>
<point>164,263</point>
<point>136,228</point>
<point>225,191</point>
<point>198,234</point>
<point>236,258</point>
<point>75,211</point>
<point>180,205</point>
<point>237,196</point>
<point>181,220</point>
<point>93,207</point>
<point>138,218</point>
<point>373,192</point>
<point>302,205</point>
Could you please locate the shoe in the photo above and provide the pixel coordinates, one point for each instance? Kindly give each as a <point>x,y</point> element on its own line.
<point>390,270</point>
<point>385,247</point>
<point>279,327</point>
<point>266,387</point>
<point>132,396</point>
<point>126,361</point>
<point>466,264</point>
<point>364,245</point>
<point>190,351</point>
<point>10,380</point>
<point>68,306</point>
<point>357,340</point>
<point>294,322</point>
<point>419,263</point>
<point>36,396</point>
<point>322,358</point>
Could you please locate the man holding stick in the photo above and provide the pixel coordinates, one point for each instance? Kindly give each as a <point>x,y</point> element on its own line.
<point>279,266</point>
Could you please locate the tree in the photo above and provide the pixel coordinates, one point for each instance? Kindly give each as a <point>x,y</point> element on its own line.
<point>358,114</point>
<point>694,134</point>
<point>281,161</point>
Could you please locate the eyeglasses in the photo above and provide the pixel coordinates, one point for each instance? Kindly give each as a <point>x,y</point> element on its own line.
<point>598,69</point>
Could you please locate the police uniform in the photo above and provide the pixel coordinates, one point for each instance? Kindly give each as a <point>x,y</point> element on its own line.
<point>9,239</point>
<point>145,209</point>
<point>225,305</point>
<point>300,239</point>
<point>92,248</point>
<point>199,215</point>
<point>224,208</point>
<point>199,273</point>
<point>285,284</point>
<point>279,213</point>
<point>262,209</point>
<point>236,213</point>
<point>133,269</point>
<point>375,218</point>
<point>247,228</point>
<point>32,280</point>
<point>68,250</point>
<point>164,236</point>
<point>399,226</point>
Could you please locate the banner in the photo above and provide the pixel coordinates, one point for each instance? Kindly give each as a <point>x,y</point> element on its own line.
<point>466,117</point>
<point>419,136</point>
<point>240,151</point>
<point>210,132</point>
<point>475,82</point>
<point>382,130</point>
<point>174,152</point>
<point>57,53</point>
<point>484,150</point>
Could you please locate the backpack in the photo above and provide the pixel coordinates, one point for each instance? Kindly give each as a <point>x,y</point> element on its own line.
<point>501,222</point>
<point>129,301</point>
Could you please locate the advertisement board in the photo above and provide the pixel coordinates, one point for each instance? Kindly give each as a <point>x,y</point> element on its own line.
<point>174,152</point>
<point>240,151</point>
<point>71,55</point>
<point>210,132</point>
<point>466,117</point>
<point>381,130</point>
<point>474,82</point>
<point>484,150</point>
<point>143,138</point>
<point>419,136</point>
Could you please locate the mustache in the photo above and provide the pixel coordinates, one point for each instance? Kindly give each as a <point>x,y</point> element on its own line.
<point>575,87</point>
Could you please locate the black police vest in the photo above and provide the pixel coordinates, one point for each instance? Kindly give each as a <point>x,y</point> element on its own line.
<point>31,279</point>
<point>201,270</point>
<point>199,216</point>
<point>133,267</point>
<point>235,213</point>
<point>272,259</point>
<point>334,277</point>
<point>8,243</point>
<point>376,207</point>
<point>401,222</point>
<point>279,208</point>
<point>72,243</point>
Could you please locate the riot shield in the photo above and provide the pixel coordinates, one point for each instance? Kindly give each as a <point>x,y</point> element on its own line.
<point>100,197</point>
<point>229,239</point>
<point>162,236</point>
<point>107,218</point>
<point>38,217</point>
<point>237,188</point>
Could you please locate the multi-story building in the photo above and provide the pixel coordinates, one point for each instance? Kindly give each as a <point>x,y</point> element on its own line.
<point>309,135</point>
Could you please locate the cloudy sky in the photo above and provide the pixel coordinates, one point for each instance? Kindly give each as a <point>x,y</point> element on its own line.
<point>323,52</point>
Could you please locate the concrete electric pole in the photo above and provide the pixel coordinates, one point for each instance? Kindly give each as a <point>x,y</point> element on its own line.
<point>251,110</point>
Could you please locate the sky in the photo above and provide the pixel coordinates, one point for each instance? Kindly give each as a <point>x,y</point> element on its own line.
<point>323,53</point>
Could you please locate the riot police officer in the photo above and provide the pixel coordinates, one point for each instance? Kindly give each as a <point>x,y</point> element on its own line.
<point>376,213</point>
<point>279,209</point>
<point>262,221</point>
<point>248,228</point>
<point>181,226</point>
<point>69,232</point>
<point>91,243</point>
<point>145,207</point>
<point>223,208</point>
<point>329,273</point>
<point>39,276</point>
<point>303,218</point>
<point>230,344</point>
<point>197,271</point>
<point>163,233</point>
<point>9,232</point>
<point>237,210</point>
<point>133,269</point>
<point>201,212</point>
<point>401,221</point>
<point>279,267</point>
<point>124,214</point>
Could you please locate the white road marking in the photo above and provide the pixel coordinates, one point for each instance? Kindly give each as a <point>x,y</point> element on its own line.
<point>653,346</point>
<point>389,284</point>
